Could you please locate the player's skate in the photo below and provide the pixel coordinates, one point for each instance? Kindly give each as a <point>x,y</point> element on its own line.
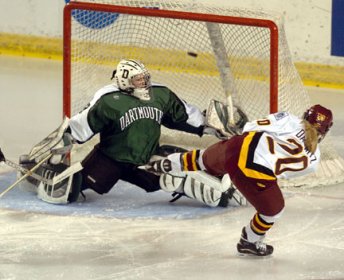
<point>257,248</point>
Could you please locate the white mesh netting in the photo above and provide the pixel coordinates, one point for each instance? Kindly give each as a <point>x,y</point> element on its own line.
<point>180,54</point>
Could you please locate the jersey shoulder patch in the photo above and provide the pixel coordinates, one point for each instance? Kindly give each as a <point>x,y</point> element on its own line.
<point>281,115</point>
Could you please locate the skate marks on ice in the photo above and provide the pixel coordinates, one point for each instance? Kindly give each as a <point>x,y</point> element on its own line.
<point>308,245</point>
<point>311,229</point>
<point>38,246</point>
<point>123,201</point>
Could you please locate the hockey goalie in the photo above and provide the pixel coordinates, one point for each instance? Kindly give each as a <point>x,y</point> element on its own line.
<point>128,115</point>
<point>58,182</point>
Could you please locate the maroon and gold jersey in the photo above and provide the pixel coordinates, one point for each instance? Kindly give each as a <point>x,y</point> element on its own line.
<point>269,148</point>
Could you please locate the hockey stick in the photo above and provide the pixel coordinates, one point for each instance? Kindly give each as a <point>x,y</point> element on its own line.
<point>27,174</point>
<point>226,76</point>
<point>30,173</point>
<point>23,170</point>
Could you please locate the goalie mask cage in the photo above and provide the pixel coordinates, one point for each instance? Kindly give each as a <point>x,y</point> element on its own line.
<point>200,51</point>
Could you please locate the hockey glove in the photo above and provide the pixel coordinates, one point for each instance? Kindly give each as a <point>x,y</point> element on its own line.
<point>218,117</point>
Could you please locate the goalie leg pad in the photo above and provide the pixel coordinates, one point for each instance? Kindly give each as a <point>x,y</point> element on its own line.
<point>62,183</point>
<point>204,188</point>
<point>197,185</point>
<point>170,183</point>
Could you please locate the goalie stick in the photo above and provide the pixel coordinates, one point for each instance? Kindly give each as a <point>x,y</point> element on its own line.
<point>22,169</point>
<point>30,172</point>
<point>27,174</point>
<point>222,62</point>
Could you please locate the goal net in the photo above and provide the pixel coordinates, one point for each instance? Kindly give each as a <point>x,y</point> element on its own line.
<point>201,52</point>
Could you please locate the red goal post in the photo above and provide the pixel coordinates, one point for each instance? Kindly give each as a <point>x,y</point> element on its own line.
<point>147,12</point>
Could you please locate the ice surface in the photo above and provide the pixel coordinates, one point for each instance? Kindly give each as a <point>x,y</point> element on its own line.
<point>128,234</point>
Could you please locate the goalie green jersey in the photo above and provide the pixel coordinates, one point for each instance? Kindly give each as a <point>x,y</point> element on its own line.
<point>130,128</point>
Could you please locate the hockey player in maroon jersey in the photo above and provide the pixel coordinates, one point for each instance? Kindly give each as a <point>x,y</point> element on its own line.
<point>279,146</point>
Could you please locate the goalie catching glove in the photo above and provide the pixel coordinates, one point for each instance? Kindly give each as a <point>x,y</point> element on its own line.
<point>218,119</point>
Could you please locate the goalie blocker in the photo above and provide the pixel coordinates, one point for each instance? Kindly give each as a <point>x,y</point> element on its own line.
<point>55,181</point>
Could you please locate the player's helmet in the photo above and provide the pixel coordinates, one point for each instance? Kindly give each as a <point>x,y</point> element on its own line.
<point>126,72</point>
<point>321,118</point>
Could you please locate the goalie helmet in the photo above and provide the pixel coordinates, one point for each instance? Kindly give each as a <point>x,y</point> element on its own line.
<point>132,77</point>
<point>321,118</point>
